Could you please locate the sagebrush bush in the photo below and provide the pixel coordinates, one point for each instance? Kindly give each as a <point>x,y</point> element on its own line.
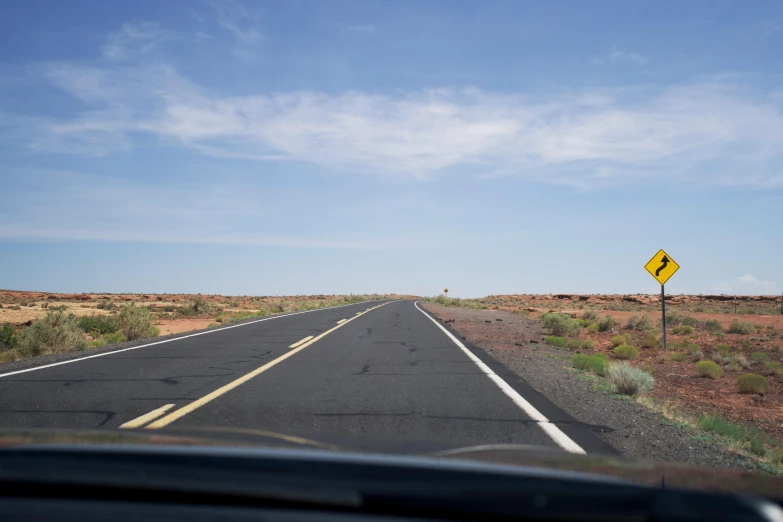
<point>8,338</point>
<point>58,332</point>
<point>560,324</point>
<point>589,315</point>
<point>752,383</point>
<point>773,367</point>
<point>711,325</point>
<point>742,361</point>
<point>674,319</point>
<point>741,327</point>
<point>682,330</point>
<point>719,358</point>
<point>628,380</point>
<point>759,357</point>
<point>697,356</point>
<point>723,348</point>
<point>100,324</point>
<point>638,322</point>
<point>593,328</point>
<point>605,324</point>
<point>651,340</point>
<point>626,351</point>
<point>554,340</point>
<point>617,340</point>
<point>136,322</point>
<point>679,357</point>
<point>708,369</point>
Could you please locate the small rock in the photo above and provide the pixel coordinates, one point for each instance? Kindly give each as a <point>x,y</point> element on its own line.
<point>463,338</point>
<point>489,322</point>
<point>498,319</point>
<point>533,341</point>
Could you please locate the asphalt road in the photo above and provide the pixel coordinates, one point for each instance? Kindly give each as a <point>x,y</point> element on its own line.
<point>380,375</point>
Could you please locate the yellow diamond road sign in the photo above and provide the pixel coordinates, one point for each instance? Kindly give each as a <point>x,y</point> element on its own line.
<point>661,266</point>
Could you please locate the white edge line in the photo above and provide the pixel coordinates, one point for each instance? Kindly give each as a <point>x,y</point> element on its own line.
<point>560,438</point>
<point>297,343</point>
<point>147,417</point>
<point>69,361</point>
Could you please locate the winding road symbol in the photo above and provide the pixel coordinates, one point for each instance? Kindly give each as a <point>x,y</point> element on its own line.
<point>665,262</point>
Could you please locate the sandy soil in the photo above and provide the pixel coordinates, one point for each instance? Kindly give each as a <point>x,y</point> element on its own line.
<point>173,326</point>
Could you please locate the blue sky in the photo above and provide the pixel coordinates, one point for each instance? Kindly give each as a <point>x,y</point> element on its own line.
<point>333,147</point>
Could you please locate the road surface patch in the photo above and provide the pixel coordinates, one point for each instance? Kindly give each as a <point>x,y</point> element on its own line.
<point>171,417</point>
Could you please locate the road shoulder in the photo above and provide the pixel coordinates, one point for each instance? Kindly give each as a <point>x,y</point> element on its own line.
<point>630,428</point>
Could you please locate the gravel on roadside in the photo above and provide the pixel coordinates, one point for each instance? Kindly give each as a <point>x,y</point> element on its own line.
<point>635,431</point>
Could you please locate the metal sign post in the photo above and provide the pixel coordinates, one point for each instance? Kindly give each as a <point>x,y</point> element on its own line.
<point>663,316</point>
<point>662,267</point>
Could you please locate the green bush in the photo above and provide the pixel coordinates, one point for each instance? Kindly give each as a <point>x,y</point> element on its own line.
<point>639,323</point>
<point>594,363</point>
<point>723,348</point>
<point>58,332</point>
<point>708,369</point>
<point>593,328</point>
<point>752,383</point>
<point>625,351</point>
<point>110,338</point>
<point>136,322</point>
<point>589,315</point>
<point>8,338</point>
<point>553,340</point>
<point>773,367</point>
<point>679,357</point>
<point>560,324</point>
<point>617,340</point>
<point>759,357</point>
<point>100,324</point>
<point>587,344</point>
<point>651,340</point>
<point>574,344</point>
<point>675,319</point>
<point>711,325</point>
<point>198,306</point>
<point>605,324</point>
<point>741,327</point>
<point>628,380</point>
<point>682,330</point>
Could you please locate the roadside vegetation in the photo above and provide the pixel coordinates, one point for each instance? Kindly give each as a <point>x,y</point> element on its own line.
<point>721,377</point>
<point>61,327</point>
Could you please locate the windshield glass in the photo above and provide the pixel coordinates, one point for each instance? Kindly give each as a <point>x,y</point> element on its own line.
<point>507,232</point>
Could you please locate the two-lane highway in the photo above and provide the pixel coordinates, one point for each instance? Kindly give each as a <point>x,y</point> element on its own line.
<point>380,374</point>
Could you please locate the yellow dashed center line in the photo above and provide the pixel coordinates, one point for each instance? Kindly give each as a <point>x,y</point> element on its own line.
<point>171,417</point>
<point>297,343</point>
<point>144,419</point>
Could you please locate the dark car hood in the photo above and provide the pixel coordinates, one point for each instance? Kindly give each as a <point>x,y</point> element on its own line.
<point>642,472</point>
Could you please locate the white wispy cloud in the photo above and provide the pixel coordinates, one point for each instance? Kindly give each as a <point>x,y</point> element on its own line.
<point>587,137</point>
<point>243,21</point>
<point>613,136</point>
<point>131,40</point>
<point>765,287</point>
